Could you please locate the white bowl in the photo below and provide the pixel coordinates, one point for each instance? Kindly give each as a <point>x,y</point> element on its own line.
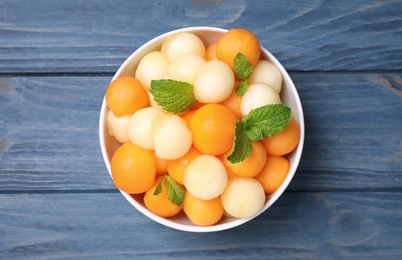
<point>289,96</point>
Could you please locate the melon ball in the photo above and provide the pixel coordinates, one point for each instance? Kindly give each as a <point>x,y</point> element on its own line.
<point>205,177</point>
<point>266,72</point>
<point>140,127</point>
<point>182,43</point>
<point>185,67</point>
<point>243,197</point>
<point>161,165</point>
<point>214,82</point>
<point>153,65</point>
<point>118,126</point>
<point>258,95</point>
<point>172,138</point>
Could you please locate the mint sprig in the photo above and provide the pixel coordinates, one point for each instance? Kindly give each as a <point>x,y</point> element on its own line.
<point>172,95</point>
<point>259,123</point>
<point>266,121</point>
<point>243,69</point>
<point>175,192</point>
<point>241,145</point>
<point>241,88</point>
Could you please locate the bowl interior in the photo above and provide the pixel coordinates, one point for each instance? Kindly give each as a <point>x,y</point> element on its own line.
<point>289,96</point>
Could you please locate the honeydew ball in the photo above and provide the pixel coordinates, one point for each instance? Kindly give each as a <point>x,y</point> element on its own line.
<point>214,82</point>
<point>140,127</point>
<point>205,177</point>
<point>266,72</point>
<point>118,126</point>
<point>153,65</point>
<point>172,138</point>
<point>182,43</point>
<point>243,197</point>
<point>258,95</point>
<point>185,67</point>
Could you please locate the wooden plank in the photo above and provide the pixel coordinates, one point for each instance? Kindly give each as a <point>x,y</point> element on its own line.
<point>80,37</point>
<point>353,131</point>
<point>105,226</point>
<point>49,132</point>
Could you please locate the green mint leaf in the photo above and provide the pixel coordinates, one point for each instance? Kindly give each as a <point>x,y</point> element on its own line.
<point>158,188</point>
<point>172,95</point>
<point>241,88</point>
<point>241,148</point>
<point>175,192</point>
<point>242,67</point>
<point>266,121</point>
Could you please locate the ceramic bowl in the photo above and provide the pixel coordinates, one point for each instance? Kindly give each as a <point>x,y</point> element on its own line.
<point>289,96</point>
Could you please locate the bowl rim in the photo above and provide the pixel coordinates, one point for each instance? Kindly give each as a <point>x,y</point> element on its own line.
<point>270,199</point>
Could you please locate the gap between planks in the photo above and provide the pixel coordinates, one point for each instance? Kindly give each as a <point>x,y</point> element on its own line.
<point>340,190</point>
<point>109,73</point>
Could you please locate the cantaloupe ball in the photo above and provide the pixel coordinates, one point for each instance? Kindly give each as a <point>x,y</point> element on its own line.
<point>205,177</point>
<point>266,72</point>
<point>161,165</point>
<point>243,197</point>
<point>258,95</point>
<point>185,67</point>
<point>153,65</point>
<point>118,126</point>
<point>182,43</point>
<point>172,138</point>
<point>140,127</point>
<point>214,82</point>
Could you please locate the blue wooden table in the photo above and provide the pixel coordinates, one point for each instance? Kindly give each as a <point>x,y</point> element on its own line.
<point>57,199</point>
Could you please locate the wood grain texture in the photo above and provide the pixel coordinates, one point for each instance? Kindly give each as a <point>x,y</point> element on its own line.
<point>58,201</point>
<point>105,226</point>
<point>85,37</point>
<point>49,132</point>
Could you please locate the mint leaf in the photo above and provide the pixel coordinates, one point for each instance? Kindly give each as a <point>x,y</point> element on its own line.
<point>175,192</point>
<point>266,121</point>
<point>172,95</point>
<point>241,148</point>
<point>241,88</point>
<point>158,188</point>
<point>242,67</point>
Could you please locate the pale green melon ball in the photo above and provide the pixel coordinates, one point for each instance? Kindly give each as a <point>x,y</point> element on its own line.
<point>182,43</point>
<point>153,65</point>
<point>185,67</point>
<point>140,127</point>
<point>214,82</point>
<point>172,138</point>
<point>266,72</point>
<point>205,177</point>
<point>118,126</point>
<point>243,197</point>
<point>258,95</point>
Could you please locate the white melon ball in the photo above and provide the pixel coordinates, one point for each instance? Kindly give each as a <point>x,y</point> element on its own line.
<point>185,67</point>
<point>118,126</point>
<point>153,65</point>
<point>140,127</point>
<point>266,72</point>
<point>243,197</point>
<point>214,82</point>
<point>258,95</point>
<point>182,43</point>
<point>205,177</point>
<point>172,138</point>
